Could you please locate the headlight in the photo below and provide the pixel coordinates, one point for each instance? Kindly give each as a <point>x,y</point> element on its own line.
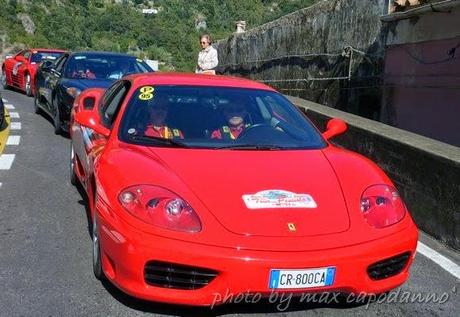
<point>159,207</point>
<point>74,92</point>
<point>382,206</point>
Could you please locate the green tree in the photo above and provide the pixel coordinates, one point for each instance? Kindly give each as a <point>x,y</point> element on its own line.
<point>169,36</point>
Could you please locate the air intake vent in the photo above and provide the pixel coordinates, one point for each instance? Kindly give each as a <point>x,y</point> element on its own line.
<point>178,276</point>
<point>388,267</point>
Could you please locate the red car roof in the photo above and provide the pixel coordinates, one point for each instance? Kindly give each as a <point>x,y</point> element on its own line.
<point>190,79</point>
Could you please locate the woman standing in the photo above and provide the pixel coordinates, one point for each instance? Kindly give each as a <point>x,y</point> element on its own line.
<point>207,58</point>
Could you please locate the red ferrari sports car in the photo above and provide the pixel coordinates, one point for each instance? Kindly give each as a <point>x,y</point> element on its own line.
<point>201,186</point>
<point>19,70</point>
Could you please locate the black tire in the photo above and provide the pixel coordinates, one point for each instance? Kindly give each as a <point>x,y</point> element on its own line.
<point>3,79</point>
<point>28,85</point>
<point>2,115</point>
<point>57,118</point>
<point>37,109</point>
<point>97,264</point>
<point>73,176</point>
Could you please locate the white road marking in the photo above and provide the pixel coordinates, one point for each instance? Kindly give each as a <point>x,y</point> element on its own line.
<point>13,140</point>
<point>14,115</point>
<point>15,126</point>
<point>439,259</point>
<point>6,160</point>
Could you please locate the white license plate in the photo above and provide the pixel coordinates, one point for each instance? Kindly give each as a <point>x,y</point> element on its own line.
<point>284,279</point>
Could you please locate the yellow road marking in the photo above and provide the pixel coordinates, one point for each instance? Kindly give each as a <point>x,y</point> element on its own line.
<point>5,132</point>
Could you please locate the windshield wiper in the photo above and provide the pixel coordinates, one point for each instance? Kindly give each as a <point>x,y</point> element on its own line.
<point>158,140</point>
<point>258,147</point>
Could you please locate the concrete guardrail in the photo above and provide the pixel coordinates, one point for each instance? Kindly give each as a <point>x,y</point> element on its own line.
<point>425,171</point>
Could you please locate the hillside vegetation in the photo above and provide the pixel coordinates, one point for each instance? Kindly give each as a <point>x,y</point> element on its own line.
<point>119,25</point>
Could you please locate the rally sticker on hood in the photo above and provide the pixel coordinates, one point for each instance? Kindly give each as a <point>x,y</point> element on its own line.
<point>275,198</point>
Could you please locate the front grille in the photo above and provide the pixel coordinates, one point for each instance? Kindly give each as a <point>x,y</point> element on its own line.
<point>178,276</point>
<point>388,267</point>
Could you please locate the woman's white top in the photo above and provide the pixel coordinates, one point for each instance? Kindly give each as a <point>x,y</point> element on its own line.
<point>207,59</point>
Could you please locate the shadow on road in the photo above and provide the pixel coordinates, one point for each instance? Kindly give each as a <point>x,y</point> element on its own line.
<point>48,118</point>
<point>84,203</point>
<point>263,306</point>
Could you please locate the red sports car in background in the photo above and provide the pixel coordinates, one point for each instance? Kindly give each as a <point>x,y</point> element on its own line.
<point>201,186</point>
<point>19,70</point>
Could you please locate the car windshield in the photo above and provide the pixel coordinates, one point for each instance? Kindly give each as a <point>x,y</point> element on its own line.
<point>103,66</point>
<point>216,118</point>
<point>40,56</point>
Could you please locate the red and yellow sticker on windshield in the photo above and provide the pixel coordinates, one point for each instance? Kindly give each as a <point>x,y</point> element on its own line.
<point>146,93</point>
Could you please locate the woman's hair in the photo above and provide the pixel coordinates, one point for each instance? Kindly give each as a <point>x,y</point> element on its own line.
<point>206,36</point>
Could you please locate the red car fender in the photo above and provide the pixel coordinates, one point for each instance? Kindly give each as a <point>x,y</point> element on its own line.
<point>355,174</point>
<point>149,170</point>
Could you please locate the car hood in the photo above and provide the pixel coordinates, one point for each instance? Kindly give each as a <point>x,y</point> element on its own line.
<point>87,83</point>
<point>264,193</point>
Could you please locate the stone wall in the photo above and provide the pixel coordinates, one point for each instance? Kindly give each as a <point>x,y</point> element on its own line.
<point>422,70</point>
<point>300,48</point>
<point>425,171</point>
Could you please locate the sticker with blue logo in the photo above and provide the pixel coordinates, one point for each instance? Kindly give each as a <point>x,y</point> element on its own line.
<point>277,198</point>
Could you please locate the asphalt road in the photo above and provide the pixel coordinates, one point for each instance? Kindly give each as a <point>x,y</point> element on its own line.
<point>45,248</point>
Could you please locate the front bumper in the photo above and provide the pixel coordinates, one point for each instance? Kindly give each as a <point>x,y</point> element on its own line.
<point>125,252</point>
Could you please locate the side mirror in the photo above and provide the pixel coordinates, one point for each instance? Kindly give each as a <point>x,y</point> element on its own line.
<point>90,119</point>
<point>46,66</point>
<point>334,127</point>
<point>86,112</point>
<point>89,103</point>
<point>89,98</point>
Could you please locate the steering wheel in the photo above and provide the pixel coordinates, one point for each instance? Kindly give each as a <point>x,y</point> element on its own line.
<point>254,130</point>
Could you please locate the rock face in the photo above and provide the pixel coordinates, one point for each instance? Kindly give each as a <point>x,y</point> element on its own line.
<point>298,52</point>
<point>200,22</point>
<point>27,23</point>
<point>6,48</point>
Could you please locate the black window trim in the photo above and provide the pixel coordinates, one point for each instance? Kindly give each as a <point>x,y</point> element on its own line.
<point>117,86</point>
<point>64,59</point>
